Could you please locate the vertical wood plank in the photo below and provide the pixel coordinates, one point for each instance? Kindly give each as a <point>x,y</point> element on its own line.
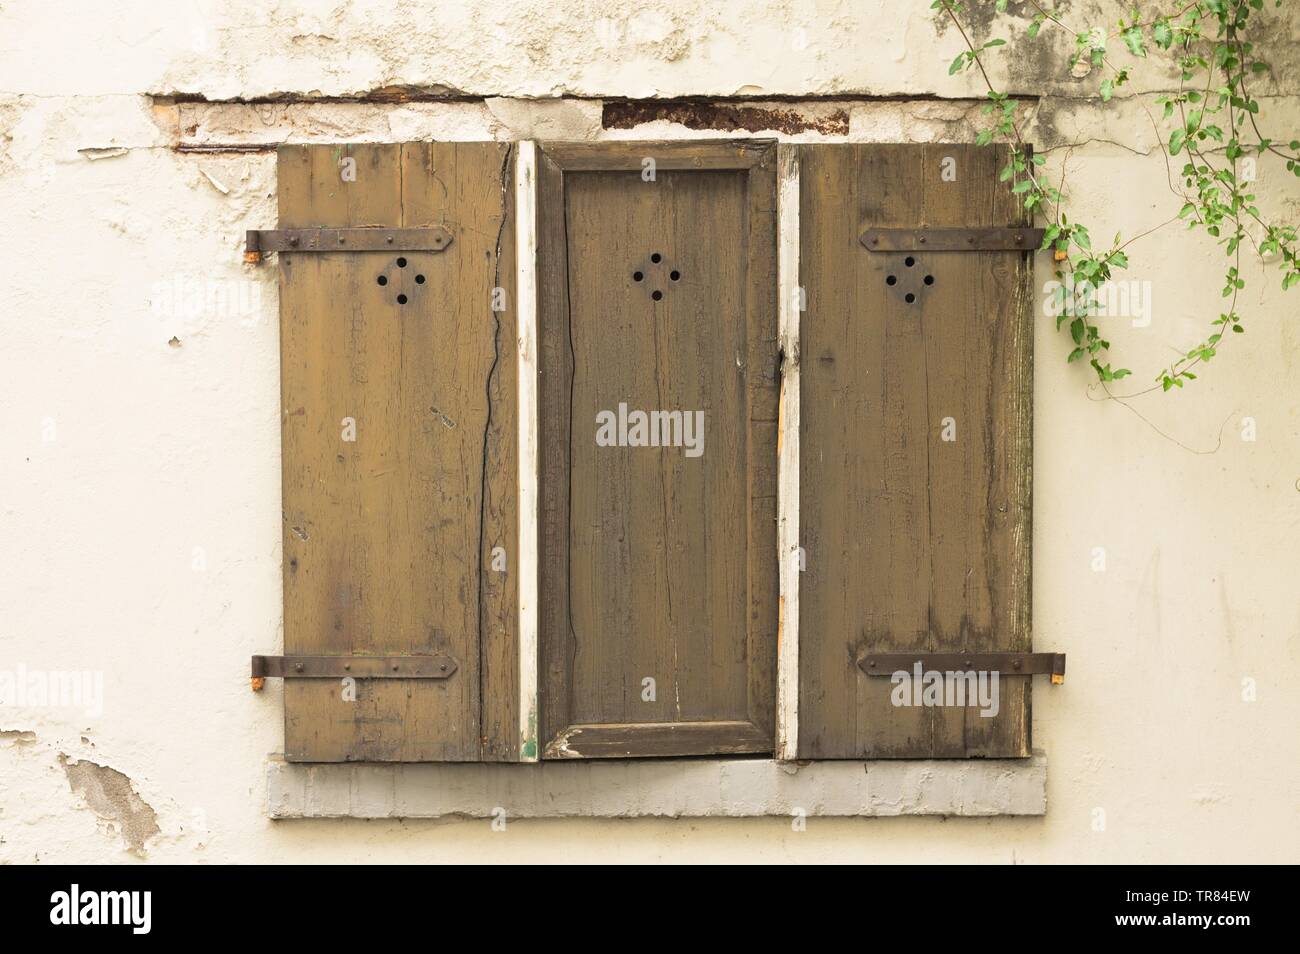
<point>763,425</point>
<point>556,360</point>
<point>501,575</point>
<point>385,534</point>
<point>914,542</point>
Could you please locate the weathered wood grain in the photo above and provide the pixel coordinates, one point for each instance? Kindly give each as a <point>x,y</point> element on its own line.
<point>656,565</point>
<point>912,542</point>
<point>388,539</point>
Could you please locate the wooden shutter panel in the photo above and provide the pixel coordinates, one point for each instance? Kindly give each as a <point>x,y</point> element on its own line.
<point>913,543</point>
<point>657,294</point>
<point>388,537</point>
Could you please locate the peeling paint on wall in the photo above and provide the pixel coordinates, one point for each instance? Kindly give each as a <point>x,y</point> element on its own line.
<point>163,450</point>
<point>729,117</point>
<point>112,796</point>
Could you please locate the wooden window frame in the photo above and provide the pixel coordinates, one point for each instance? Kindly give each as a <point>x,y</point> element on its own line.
<point>537,709</point>
<point>554,729</point>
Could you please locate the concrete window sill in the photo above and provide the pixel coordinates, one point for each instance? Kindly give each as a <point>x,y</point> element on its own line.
<point>659,788</point>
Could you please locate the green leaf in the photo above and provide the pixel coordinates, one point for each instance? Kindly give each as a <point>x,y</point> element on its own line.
<point>1132,38</point>
<point>1107,90</point>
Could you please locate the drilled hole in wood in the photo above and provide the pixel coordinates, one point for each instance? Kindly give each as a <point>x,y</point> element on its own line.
<point>401,263</point>
<point>909,261</point>
<point>401,299</point>
<point>929,279</point>
<point>656,258</point>
<point>909,298</point>
<point>656,294</point>
<point>637,276</point>
<point>382,279</point>
<point>891,280</point>
<point>419,279</point>
<point>675,275</point>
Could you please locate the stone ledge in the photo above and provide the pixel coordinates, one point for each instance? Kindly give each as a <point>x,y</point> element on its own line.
<point>659,788</point>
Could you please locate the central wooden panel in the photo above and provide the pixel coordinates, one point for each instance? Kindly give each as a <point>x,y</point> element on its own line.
<point>656,570</point>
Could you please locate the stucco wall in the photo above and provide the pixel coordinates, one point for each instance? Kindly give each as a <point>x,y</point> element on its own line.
<point>139,476</point>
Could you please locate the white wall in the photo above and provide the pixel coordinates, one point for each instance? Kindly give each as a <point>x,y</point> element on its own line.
<point>139,479</point>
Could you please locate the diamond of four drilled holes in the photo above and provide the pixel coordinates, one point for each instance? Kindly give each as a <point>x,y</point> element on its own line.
<point>656,259</point>
<point>892,279</point>
<point>402,298</point>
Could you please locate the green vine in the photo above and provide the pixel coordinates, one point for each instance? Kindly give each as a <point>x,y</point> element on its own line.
<point>1217,115</point>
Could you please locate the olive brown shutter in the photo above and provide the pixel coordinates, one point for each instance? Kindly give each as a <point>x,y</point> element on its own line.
<point>398,438</point>
<point>658,558</point>
<point>916,386</point>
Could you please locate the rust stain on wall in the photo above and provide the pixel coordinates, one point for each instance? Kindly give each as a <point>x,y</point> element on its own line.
<point>729,117</point>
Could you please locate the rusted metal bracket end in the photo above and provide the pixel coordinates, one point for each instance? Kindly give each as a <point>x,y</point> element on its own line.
<point>257,242</point>
<point>952,240</point>
<point>437,666</point>
<point>1007,664</point>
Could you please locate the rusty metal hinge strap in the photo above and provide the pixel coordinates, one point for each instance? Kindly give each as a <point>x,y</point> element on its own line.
<point>951,240</point>
<point>1006,664</point>
<point>370,239</point>
<point>438,666</point>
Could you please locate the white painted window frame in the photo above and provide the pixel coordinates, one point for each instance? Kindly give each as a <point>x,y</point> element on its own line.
<point>790,303</point>
<point>526,357</point>
<point>789,306</point>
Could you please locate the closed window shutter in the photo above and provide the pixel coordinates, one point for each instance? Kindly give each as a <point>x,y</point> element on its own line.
<point>915,497</point>
<point>398,403</point>
<point>658,590</point>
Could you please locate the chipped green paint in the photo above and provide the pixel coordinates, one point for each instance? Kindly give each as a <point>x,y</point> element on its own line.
<point>528,748</point>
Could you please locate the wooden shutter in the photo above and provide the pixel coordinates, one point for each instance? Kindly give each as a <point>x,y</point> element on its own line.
<point>912,542</point>
<point>389,537</point>
<point>657,292</point>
